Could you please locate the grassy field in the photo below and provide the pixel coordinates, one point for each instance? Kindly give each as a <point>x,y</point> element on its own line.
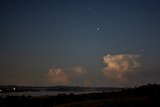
<point>113,102</point>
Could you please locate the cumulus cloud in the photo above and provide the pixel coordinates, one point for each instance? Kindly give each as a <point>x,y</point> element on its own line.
<point>57,76</point>
<point>78,75</point>
<point>79,70</point>
<point>119,65</point>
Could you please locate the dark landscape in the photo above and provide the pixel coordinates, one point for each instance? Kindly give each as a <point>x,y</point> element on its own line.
<point>15,88</point>
<point>143,96</point>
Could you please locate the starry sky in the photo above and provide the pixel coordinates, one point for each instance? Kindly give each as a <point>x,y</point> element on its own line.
<point>76,42</point>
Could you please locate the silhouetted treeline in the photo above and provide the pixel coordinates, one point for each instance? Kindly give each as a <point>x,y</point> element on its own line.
<point>147,96</point>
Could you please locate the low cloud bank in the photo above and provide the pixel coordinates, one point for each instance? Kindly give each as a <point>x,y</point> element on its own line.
<point>118,70</point>
<point>75,75</point>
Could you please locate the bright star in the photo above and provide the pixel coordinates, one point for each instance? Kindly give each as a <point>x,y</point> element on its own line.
<point>98,28</point>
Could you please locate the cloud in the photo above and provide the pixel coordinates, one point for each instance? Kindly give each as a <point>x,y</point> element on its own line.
<point>79,70</point>
<point>117,66</point>
<point>57,77</point>
<point>78,75</point>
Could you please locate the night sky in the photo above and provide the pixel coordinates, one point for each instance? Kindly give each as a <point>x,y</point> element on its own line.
<point>79,42</point>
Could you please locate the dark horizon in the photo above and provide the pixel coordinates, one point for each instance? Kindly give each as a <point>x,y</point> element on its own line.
<point>143,96</point>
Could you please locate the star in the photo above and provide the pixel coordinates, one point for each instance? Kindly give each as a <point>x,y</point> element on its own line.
<point>23,8</point>
<point>38,5</point>
<point>98,29</point>
<point>28,15</point>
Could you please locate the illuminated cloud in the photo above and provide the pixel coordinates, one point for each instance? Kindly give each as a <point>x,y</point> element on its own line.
<point>57,77</point>
<point>119,65</point>
<point>79,70</point>
<point>78,75</point>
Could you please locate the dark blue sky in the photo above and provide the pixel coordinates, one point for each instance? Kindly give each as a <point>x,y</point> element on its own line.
<point>36,35</point>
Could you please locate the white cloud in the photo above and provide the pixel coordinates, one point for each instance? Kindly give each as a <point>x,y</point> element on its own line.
<point>57,77</point>
<point>118,65</point>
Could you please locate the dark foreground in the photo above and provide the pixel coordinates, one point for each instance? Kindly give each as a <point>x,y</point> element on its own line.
<point>144,96</point>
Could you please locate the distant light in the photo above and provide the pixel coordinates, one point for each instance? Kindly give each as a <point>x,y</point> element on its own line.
<point>14,88</point>
<point>0,90</point>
